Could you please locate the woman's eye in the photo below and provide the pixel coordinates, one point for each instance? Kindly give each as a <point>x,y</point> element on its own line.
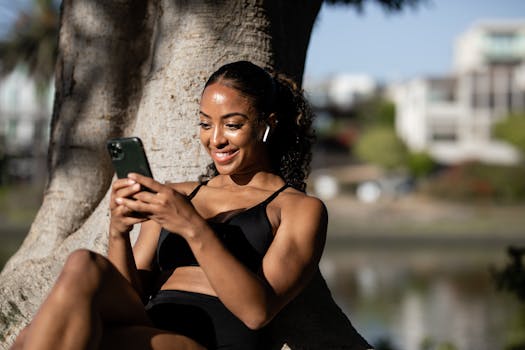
<point>204,125</point>
<point>233,126</point>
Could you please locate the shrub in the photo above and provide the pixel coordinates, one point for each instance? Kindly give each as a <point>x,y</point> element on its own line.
<point>380,145</point>
<point>512,130</point>
<point>475,181</point>
<point>420,164</point>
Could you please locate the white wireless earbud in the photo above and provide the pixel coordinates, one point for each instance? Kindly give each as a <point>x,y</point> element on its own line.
<point>266,132</point>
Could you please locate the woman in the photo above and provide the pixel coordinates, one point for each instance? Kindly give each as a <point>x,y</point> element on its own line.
<point>215,261</point>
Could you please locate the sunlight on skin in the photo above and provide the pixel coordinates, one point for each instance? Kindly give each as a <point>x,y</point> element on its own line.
<point>218,97</point>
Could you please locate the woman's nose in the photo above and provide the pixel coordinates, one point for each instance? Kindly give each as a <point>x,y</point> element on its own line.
<point>217,138</point>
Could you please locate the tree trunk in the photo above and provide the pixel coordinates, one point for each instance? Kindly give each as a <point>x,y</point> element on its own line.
<point>135,68</point>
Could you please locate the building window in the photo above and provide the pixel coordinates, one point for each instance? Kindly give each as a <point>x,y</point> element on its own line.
<point>442,90</point>
<point>501,47</point>
<point>443,132</point>
<point>441,95</point>
<point>12,127</point>
<point>492,100</point>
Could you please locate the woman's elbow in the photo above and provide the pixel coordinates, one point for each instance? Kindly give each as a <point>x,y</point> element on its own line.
<point>257,319</point>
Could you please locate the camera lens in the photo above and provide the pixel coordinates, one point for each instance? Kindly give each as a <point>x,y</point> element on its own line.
<point>115,150</point>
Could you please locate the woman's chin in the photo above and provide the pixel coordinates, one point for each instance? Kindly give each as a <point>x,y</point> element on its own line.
<point>225,169</point>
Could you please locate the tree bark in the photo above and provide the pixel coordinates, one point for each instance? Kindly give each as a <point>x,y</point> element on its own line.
<point>130,67</point>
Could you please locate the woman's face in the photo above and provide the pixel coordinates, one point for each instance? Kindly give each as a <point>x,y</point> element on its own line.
<point>230,131</point>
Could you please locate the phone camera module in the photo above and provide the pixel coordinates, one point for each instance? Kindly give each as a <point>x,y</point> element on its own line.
<point>115,150</point>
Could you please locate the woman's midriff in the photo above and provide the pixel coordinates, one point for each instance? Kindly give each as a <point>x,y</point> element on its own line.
<point>189,278</point>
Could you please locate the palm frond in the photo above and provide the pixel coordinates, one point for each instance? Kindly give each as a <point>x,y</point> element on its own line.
<point>33,41</point>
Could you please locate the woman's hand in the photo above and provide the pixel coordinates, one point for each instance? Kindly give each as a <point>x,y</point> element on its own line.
<point>122,217</point>
<point>164,205</point>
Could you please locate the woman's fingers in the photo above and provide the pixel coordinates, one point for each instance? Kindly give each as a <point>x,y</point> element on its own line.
<point>127,215</point>
<point>122,183</point>
<point>129,191</point>
<point>124,224</point>
<point>147,197</point>
<point>123,188</point>
<point>133,205</point>
<point>123,218</point>
<point>147,182</point>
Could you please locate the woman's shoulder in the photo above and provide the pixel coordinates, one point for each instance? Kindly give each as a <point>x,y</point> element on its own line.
<point>303,215</point>
<point>295,201</point>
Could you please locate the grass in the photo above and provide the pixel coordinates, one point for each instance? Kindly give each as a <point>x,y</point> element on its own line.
<point>18,206</point>
<point>19,203</point>
<point>9,245</point>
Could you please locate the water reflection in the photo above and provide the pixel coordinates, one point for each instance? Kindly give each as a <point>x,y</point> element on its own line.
<point>418,296</point>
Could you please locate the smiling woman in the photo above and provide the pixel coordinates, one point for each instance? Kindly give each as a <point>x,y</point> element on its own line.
<point>230,131</point>
<point>276,112</point>
<point>215,261</point>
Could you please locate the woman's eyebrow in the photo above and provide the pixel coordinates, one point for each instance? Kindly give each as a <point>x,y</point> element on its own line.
<point>227,115</point>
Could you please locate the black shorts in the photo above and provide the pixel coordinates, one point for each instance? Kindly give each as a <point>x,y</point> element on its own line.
<point>204,318</point>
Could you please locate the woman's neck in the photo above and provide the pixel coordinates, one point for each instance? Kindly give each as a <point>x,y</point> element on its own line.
<point>261,179</point>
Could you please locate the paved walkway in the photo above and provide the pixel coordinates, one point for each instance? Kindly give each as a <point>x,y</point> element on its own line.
<point>419,216</point>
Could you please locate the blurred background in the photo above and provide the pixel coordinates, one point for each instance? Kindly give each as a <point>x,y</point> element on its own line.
<point>420,160</point>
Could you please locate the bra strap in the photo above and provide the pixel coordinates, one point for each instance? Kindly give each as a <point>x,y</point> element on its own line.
<point>196,189</point>
<point>275,194</point>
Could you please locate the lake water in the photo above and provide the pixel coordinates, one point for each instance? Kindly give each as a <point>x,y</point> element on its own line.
<point>424,296</point>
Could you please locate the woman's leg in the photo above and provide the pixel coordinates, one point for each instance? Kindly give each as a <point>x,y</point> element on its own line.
<point>20,339</point>
<point>88,295</point>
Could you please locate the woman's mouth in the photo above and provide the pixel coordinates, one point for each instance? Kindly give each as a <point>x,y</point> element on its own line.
<point>222,157</point>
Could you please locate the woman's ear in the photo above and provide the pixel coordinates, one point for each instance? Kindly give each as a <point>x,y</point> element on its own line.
<point>272,120</point>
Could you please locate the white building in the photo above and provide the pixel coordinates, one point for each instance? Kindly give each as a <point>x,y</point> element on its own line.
<point>451,117</point>
<point>341,91</point>
<point>24,122</point>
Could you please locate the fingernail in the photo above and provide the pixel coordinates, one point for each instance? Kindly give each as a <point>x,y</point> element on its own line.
<point>118,200</point>
<point>131,181</point>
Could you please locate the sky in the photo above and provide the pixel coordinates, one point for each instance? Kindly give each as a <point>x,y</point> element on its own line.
<point>393,46</point>
<point>8,13</point>
<point>386,46</point>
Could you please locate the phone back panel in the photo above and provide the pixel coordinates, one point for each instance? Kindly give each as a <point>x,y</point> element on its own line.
<point>127,155</point>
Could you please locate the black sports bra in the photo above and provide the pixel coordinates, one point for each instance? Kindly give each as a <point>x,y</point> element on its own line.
<point>247,235</point>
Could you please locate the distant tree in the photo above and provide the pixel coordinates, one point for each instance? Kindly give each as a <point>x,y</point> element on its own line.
<point>420,164</point>
<point>138,67</point>
<point>3,161</point>
<point>33,41</point>
<point>373,111</point>
<point>380,145</point>
<point>512,130</point>
<point>392,5</point>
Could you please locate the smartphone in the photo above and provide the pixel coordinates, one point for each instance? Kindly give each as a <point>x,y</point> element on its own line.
<point>128,156</point>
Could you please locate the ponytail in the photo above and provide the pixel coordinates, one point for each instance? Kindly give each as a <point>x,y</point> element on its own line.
<point>291,141</point>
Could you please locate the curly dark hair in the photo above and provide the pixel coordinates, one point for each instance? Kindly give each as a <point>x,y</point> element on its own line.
<point>291,140</point>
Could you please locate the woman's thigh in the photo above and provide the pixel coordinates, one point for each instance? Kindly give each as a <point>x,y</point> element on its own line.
<point>145,338</point>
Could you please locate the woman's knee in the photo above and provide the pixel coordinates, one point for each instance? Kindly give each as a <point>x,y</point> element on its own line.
<point>83,270</point>
<point>83,260</point>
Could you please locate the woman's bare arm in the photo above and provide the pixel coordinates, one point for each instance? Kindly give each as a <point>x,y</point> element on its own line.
<point>120,251</point>
<point>138,264</point>
<point>287,266</point>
